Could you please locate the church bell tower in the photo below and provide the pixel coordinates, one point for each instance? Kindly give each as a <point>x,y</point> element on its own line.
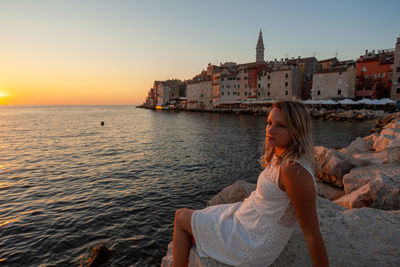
<point>260,48</point>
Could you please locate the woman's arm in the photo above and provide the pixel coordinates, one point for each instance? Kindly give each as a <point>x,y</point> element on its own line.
<point>299,185</point>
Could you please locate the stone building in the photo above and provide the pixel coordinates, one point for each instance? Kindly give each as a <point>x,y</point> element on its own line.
<point>326,63</point>
<point>336,82</point>
<point>166,91</point>
<point>395,90</point>
<point>373,74</point>
<point>282,81</point>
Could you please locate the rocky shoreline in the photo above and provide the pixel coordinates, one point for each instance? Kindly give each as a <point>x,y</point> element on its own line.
<point>321,113</point>
<point>358,203</point>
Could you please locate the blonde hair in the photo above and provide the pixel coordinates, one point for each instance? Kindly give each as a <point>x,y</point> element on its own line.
<point>299,127</point>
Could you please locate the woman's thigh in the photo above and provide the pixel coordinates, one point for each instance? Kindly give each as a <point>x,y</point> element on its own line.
<point>183,218</point>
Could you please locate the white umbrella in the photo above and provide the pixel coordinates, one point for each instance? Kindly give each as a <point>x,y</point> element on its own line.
<point>347,102</point>
<point>385,101</point>
<point>328,102</point>
<point>365,101</point>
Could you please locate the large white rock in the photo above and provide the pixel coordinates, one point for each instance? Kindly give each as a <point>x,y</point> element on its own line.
<point>382,192</point>
<point>360,176</point>
<point>359,145</point>
<point>382,141</point>
<point>329,191</point>
<point>234,193</point>
<point>357,237</point>
<point>333,165</point>
<point>370,139</point>
<point>395,123</point>
<point>390,155</point>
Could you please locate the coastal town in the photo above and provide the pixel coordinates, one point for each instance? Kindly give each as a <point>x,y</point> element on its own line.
<point>372,80</point>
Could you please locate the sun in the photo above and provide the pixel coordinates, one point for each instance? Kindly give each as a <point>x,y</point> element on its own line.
<point>4,94</point>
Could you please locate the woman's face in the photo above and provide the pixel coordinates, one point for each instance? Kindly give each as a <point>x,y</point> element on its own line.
<point>277,134</point>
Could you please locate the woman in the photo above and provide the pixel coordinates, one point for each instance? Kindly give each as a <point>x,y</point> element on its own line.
<point>255,231</point>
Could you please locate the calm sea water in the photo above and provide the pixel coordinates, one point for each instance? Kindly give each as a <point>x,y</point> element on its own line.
<point>68,184</point>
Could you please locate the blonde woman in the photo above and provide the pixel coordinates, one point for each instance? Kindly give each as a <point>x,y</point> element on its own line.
<point>255,231</point>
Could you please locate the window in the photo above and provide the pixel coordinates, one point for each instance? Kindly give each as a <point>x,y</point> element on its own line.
<point>228,86</point>
<point>259,85</point>
<point>222,93</point>
<point>398,79</point>
<point>245,93</point>
<point>398,69</point>
<point>249,93</point>
<point>238,78</point>
<point>286,75</point>
<point>339,92</point>
<point>340,73</point>
<point>228,93</point>
<point>368,88</point>
<point>234,86</point>
<point>245,78</point>
<point>250,86</point>
<point>234,93</point>
<point>222,86</point>
<point>286,92</point>
<point>318,92</point>
<point>269,85</point>
<point>286,83</point>
<point>359,88</point>
<point>259,93</point>
<point>269,77</point>
<point>368,96</point>
<point>268,93</point>
<point>238,86</point>
<point>245,86</point>
<point>222,79</point>
<point>238,93</point>
<point>245,71</point>
<point>398,91</point>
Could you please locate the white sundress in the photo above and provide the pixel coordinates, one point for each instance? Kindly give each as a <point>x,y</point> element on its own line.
<point>249,233</point>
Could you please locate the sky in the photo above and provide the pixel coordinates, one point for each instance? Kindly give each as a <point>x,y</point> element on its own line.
<point>95,52</point>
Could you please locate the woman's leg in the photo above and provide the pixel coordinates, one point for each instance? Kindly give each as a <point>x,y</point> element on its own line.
<point>182,238</point>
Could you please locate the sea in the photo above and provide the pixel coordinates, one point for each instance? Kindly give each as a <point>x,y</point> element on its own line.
<point>69,184</point>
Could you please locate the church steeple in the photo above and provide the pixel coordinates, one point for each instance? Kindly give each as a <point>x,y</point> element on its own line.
<point>260,48</point>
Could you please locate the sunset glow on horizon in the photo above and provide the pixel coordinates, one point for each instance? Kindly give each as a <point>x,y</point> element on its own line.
<point>110,52</point>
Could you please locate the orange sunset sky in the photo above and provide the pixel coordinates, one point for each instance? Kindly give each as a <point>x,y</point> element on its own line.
<point>110,52</point>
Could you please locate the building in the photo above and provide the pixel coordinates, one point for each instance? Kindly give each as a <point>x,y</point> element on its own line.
<point>282,80</point>
<point>308,66</point>
<point>395,90</point>
<point>336,82</point>
<point>166,91</point>
<point>326,63</point>
<point>373,74</point>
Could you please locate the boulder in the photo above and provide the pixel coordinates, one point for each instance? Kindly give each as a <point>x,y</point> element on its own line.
<point>390,155</point>
<point>382,141</point>
<point>358,146</point>
<point>391,131</point>
<point>370,139</point>
<point>328,191</point>
<point>333,165</point>
<point>357,237</point>
<point>394,124</point>
<point>234,193</point>
<point>360,176</point>
<point>382,192</point>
